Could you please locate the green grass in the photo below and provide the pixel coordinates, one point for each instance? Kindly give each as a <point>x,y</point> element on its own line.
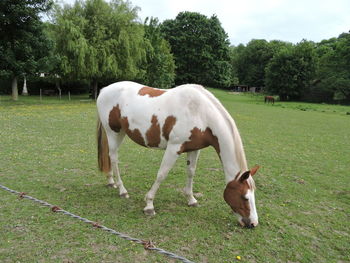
<point>47,149</point>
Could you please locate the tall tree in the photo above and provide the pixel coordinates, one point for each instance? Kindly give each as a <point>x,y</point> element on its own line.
<point>201,49</point>
<point>235,53</point>
<point>334,68</point>
<point>291,71</point>
<point>22,41</point>
<point>99,40</point>
<point>160,64</point>
<point>52,61</point>
<point>251,60</point>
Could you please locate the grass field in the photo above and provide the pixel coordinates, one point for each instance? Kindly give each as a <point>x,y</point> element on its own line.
<point>48,150</point>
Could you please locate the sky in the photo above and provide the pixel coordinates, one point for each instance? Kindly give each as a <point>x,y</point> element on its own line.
<point>244,20</point>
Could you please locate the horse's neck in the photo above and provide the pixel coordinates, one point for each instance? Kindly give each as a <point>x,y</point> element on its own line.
<point>231,151</point>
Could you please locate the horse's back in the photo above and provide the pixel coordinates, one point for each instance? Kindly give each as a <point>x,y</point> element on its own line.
<point>112,93</point>
<point>158,116</point>
<point>136,98</point>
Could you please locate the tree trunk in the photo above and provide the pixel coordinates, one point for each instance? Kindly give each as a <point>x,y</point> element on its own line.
<point>58,87</point>
<point>14,88</point>
<point>94,89</point>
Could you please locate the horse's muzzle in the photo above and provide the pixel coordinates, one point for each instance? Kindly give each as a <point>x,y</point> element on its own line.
<point>247,223</point>
<point>250,226</point>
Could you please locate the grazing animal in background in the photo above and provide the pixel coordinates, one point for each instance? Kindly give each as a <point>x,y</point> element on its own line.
<point>184,119</point>
<point>269,99</point>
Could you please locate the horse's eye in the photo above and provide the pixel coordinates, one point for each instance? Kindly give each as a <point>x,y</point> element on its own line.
<point>245,198</point>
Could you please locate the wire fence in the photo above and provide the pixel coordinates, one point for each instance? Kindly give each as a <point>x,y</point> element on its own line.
<point>148,245</point>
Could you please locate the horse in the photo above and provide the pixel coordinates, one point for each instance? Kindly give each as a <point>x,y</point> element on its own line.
<point>270,99</point>
<point>184,119</point>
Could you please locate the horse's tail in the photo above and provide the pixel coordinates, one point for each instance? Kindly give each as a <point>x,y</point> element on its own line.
<point>104,162</point>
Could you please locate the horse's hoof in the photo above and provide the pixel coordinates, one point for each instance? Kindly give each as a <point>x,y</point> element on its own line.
<point>194,204</point>
<point>149,212</point>
<point>125,195</point>
<point>111,185</point>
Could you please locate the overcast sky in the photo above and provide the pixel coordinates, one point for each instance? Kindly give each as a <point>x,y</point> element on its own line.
<point>243,20</point>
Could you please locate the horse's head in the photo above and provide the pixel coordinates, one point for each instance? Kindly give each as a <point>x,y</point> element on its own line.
<point>239,195</point>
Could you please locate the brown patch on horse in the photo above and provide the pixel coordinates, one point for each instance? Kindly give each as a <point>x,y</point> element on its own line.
<point>200,139</point>
<point>136,136</point>
<point>168,126</point>
<point>114,119</point>
<point>234,196</point>
<point>153,133</point>
<point>116,122</point>
<point>152,92</point>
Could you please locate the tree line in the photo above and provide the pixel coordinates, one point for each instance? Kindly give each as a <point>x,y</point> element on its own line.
<point>308,71</point>
<point>93,43</point>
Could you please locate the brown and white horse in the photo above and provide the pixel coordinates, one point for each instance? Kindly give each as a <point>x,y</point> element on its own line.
<point>183,119</point>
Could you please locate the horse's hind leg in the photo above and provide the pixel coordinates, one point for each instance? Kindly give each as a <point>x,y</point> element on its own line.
<point>111,182</point>
<point>114,142</point>
<point>192,158</point>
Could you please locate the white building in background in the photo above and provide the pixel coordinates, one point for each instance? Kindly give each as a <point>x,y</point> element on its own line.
<point>25,90</point>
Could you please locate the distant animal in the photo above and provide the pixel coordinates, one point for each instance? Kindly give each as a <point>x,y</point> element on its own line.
<point>184,119</point>
<point>269,99</point>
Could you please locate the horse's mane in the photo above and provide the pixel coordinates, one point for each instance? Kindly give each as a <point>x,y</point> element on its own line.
<point>240,155</point>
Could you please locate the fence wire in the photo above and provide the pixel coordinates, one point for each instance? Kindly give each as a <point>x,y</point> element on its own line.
<point>146,243</point>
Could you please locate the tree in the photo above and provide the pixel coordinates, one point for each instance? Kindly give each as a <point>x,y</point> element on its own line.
<point>98,41</point>
<point>334,66</point>
<point>160,64</point>
<point>22,41</point>
<point>201,49</point>
<point>235,53</point>
<point>291,71</point>
<point>250,61</point>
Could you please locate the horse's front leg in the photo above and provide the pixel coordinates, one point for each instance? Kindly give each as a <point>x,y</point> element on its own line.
<point>192,158</point>
<point>169,159</point>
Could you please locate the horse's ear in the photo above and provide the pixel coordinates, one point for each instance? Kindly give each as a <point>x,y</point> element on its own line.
<point>244,176</point>
<point>254,170</point>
